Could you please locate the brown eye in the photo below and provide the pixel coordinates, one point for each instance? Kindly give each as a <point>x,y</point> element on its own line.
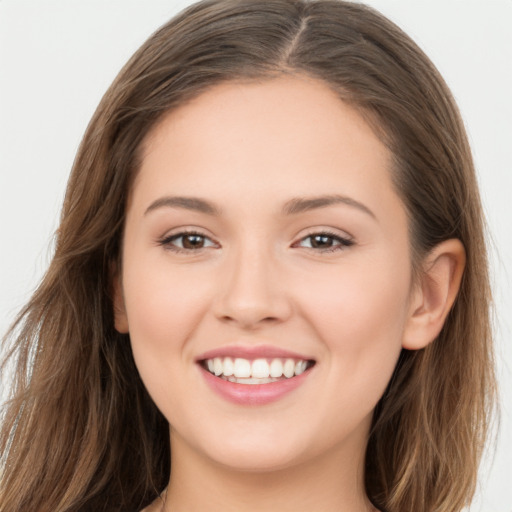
<point>322,241</point>
<point>187,242</point>
<point>193,241</point>
<point>325,242</point>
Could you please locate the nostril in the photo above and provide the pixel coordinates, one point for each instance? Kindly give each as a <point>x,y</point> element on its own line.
<point>248,320</point>
<point>251,300</point>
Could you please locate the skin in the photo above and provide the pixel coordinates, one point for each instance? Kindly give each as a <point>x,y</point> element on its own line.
<point>249,149</point>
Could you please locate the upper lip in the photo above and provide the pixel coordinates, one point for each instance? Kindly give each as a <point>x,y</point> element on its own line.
<point>252,352</point>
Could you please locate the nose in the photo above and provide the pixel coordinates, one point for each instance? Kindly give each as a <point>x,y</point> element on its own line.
<point>251,293</point>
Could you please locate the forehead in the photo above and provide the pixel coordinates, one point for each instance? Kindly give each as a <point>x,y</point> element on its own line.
<point>271,139</point>
<point>295,99</point>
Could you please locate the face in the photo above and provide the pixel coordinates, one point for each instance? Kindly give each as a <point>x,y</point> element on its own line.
<point>263,235</point>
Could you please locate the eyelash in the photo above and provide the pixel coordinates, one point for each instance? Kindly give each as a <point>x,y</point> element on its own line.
<point>167,241</point>
<point>342,242</point>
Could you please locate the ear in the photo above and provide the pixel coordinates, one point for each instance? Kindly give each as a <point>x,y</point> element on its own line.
<point>434,294</point>
<point>120,317</point>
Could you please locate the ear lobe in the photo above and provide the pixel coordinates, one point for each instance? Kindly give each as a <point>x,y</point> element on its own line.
<point>435,293</point>
<point>120,317</point>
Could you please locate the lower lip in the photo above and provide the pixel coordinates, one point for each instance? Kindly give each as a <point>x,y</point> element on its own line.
<point>253,394</point>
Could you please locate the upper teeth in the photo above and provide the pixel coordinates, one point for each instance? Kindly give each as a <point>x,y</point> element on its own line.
<point>258,368</point>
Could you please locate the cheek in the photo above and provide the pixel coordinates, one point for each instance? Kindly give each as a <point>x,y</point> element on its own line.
<point>360,314</point>
<point>360,298</point>
<point>163,306</point>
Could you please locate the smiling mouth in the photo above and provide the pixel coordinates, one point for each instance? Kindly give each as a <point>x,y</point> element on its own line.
<point>256,371</point>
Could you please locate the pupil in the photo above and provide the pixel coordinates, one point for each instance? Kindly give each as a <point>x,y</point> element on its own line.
<point>322,241</point>
<point>193,241</point>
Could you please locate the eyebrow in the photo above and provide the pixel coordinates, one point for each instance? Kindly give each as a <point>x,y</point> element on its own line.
<point>188,203</point>
<point>303,204</point>
<point>291,207</point>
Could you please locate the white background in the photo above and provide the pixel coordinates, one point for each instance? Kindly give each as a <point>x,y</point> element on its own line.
<point>57,57</point>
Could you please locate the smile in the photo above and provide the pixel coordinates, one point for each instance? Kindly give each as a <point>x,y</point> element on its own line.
<point>254,376</point>
<point>257,371</point>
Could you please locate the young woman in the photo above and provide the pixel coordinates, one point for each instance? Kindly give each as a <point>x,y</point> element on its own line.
<point>269,290</point>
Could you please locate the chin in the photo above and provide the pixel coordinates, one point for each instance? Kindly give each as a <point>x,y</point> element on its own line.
<point>252,450</point>
<point>256,460</point>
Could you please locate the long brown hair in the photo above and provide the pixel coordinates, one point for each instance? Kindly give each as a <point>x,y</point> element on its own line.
<point>81,432</point>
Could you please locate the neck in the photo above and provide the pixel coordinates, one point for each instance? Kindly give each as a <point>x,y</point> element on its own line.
<point>332,482</point>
